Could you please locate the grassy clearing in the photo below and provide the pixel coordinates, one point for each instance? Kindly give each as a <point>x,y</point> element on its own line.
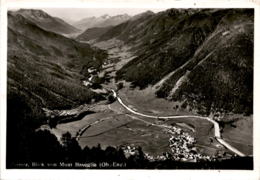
<point>239,132</point>
<point>73,127</point>
<point>245,148</point>
<point>146,101</point>
<point>122,130</point>
<point>118,129</point>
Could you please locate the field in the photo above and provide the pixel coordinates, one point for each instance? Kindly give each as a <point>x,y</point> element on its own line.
<point>146,101</point>
<point>240,133</point>
<point>114,126</point>
<point>156,91</point>
<point>129,132</point>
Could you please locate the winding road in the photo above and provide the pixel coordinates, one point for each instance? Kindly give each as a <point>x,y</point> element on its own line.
<point>217,133</point>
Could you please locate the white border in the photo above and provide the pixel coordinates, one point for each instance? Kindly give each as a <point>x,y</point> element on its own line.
<point>128,174</point>
<point>132,3</point>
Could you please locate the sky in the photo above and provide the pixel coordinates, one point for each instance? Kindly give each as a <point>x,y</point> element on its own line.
<point>75,14</point>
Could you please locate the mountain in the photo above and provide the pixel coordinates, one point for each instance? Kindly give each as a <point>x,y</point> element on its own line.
<point>98,32</point>
<point>46,22</point>
<point>128,29</point>
<point>102,21</point>
<point>93,33</point>
<point>85,23</point>
<point>144,14</point>
<point>201,57</point>
<point>46,68</point>
<point>219,75</point>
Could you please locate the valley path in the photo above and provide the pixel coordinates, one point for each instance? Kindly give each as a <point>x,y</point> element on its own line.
<point>216,125</point>
<point>122,56</point>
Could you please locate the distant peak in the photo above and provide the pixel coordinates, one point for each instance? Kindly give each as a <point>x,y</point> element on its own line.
<point>105,16</point>
<point>146,13</point>
<point>122,15</point>
<point>149,12</point>
<point>143,14</point>
<point>33,13</point>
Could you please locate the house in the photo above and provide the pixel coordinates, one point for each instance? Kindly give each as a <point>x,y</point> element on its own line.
<point>87,84</point>
<point>91,70</point>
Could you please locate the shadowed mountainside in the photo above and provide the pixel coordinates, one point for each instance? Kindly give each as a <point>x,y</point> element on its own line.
<point>93,33</point>
<point>44,70</point>
<point>128,30</point>
<point>47,67</point>
<point>195,56</point>
<point>120,31</point>
<point>47,22</point>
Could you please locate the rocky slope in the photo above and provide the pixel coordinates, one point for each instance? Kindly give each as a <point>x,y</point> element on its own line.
<point>47,22</point>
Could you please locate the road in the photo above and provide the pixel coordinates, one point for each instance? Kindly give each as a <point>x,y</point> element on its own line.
<point>217,133</point>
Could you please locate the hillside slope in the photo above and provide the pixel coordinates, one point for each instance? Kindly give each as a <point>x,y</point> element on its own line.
<point>121,30</point>
<point>221,70</point>
<point>129,29</point>
<point>202,50</point>
<point>46,67</point>
<point>44,70</point>
<point>93,33</point>
<point>47,22</point>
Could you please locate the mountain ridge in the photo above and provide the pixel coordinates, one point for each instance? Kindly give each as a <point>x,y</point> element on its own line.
<point>199,60</point>
<point>33,51</point>
<point>47,22</point>
<point>165,41</point>
<point>102,21</point>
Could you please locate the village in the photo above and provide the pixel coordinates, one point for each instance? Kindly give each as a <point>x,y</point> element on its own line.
<point>181,146</point>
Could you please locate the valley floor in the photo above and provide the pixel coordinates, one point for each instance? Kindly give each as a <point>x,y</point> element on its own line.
<point>113,124</point>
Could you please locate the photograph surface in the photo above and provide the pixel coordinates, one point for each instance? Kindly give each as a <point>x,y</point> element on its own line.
<point>130,88</point>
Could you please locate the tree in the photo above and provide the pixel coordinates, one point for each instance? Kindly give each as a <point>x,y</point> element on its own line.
<point>71,148</point>
<point>110,99</point>
<point>52,122</point>
<point>120,86</point>
<point>45,147</point>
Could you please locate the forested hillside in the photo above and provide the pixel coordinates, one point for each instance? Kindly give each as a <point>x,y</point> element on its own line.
<point>203,57</point>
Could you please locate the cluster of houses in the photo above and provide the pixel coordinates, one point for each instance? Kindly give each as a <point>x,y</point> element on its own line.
<point>182,146</point>
<point>129,150</point>
<point>158,157</point>
<point>218,116</point>
<point>92,73</point>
